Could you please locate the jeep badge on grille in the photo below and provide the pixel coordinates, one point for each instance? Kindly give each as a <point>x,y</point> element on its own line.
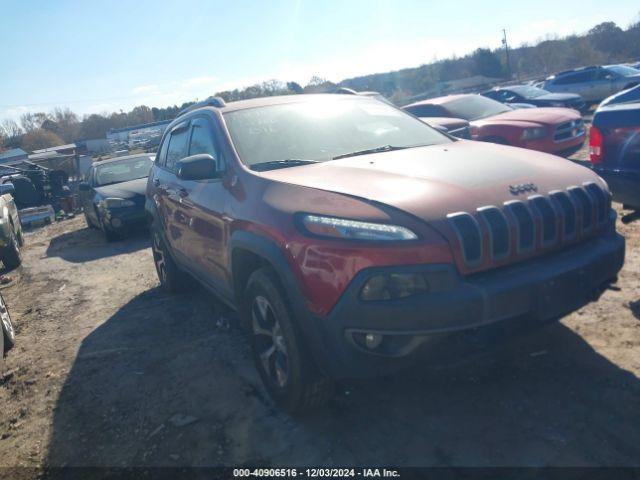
<point>522,188</point>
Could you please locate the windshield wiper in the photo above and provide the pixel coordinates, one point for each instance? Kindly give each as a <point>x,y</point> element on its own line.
<point>274,164</point>
<point>383,148</point>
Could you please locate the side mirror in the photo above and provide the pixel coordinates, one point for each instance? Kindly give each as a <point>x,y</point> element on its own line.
<point>197,167</point>
<point>6,188</point>
<point>84,187</point>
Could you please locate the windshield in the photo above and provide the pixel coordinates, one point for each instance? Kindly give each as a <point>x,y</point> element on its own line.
<point>474,107</point>
<point>624,70</point>
<point>323,128</point>
<point>528,92</point>
<point>123,170</point>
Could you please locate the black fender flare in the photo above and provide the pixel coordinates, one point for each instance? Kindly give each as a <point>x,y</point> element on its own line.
<point>272,253</point>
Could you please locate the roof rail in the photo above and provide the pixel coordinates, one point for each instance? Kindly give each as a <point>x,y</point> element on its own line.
<point>216,102</point>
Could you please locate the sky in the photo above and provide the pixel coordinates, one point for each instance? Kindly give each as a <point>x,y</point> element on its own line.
<point>102,56</point>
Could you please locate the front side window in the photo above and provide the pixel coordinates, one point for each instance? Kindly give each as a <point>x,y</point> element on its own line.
<point>323,128</point>
<point>202,139</point>
<point>177,149</point>
<point>122,170</point>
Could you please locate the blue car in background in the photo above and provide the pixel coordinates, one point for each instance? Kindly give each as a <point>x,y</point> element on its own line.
<point>614,147</point>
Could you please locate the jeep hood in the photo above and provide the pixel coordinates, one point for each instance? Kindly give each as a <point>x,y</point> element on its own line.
<point>542,116</point>
<point>430,182</point>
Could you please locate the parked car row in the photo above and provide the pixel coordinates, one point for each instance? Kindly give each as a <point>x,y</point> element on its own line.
<point>350,236</point>
<point>553,130</point>
<point>322,218</point>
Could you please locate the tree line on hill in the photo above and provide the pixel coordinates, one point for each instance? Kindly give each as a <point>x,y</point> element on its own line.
<point>604,43</point>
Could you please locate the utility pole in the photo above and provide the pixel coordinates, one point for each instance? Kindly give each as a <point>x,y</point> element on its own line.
<point>506,49</point>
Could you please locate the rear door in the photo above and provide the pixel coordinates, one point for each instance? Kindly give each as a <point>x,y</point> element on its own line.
<point>578,82</point>
<point>203,206</point>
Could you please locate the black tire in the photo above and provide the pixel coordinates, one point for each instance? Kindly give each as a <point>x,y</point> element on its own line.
<point>283,362</point>
<point>109,234</point>
<point>8,333</point>
<point>172,279</point>
<point>89,222</point>
<point>11,256</point>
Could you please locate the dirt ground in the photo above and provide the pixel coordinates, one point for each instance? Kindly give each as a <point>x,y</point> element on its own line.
<point>110,371</point>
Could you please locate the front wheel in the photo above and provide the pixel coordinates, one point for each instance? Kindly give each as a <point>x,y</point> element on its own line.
<point>109,234</point>
<point>8,334</point>
<point>283,362</point>
<point>11,257</point>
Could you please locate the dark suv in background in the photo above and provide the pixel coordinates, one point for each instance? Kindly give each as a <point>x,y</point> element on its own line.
<point>351,236</point>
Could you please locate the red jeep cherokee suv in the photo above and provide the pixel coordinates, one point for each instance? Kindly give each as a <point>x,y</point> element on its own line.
<point>349,235</point>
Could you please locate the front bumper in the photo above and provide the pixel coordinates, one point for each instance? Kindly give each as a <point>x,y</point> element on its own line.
<point>125,217</point>
<point>532,293</point>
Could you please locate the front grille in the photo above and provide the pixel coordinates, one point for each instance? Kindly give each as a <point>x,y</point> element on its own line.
<point>568,210</point>
<point>524,223</point>
<point>496,223</point>
<point>548,216</point>
<point>469,236</point>
<point>569,130</point>
<point>548,221</point>
<point>585,206</point>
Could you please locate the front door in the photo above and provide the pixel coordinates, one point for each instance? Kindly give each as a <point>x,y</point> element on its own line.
<point>203,205</point>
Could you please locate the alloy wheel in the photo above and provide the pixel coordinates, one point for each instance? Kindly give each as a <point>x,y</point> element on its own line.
<point>269,342</point>
<point>7,326</point>
<point>158,258</point>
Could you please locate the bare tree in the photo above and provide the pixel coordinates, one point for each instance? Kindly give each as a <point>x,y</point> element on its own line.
<point>32,121</point>
<point>11,133</point>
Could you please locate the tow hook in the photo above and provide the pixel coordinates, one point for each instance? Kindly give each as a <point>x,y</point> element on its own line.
<point>630,217</point>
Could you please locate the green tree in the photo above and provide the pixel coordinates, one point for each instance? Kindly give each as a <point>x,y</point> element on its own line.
<point>486,63</point>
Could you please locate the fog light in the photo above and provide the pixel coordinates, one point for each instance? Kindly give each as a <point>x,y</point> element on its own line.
<point>372,340</point>
<point>393,286</point>
<point>116,222</point>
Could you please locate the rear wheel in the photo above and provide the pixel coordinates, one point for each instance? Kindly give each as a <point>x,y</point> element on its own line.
<point>11,256</point>
<point>172,279</point>
<point>283,362</point>
<point>8,334</point>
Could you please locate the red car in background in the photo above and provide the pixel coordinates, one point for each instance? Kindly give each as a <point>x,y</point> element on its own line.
<point>553,130</point>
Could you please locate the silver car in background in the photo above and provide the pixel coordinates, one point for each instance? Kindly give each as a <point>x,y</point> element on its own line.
<point>593,83</point>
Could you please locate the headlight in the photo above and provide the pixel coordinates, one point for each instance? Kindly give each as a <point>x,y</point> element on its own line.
<point>354,229</point>
<point>533,133</point>
<point>116,203</point>
<point>393,286</point>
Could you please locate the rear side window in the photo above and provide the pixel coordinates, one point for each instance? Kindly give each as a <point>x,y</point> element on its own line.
<point>580,77</point>
<point>177,149</point>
